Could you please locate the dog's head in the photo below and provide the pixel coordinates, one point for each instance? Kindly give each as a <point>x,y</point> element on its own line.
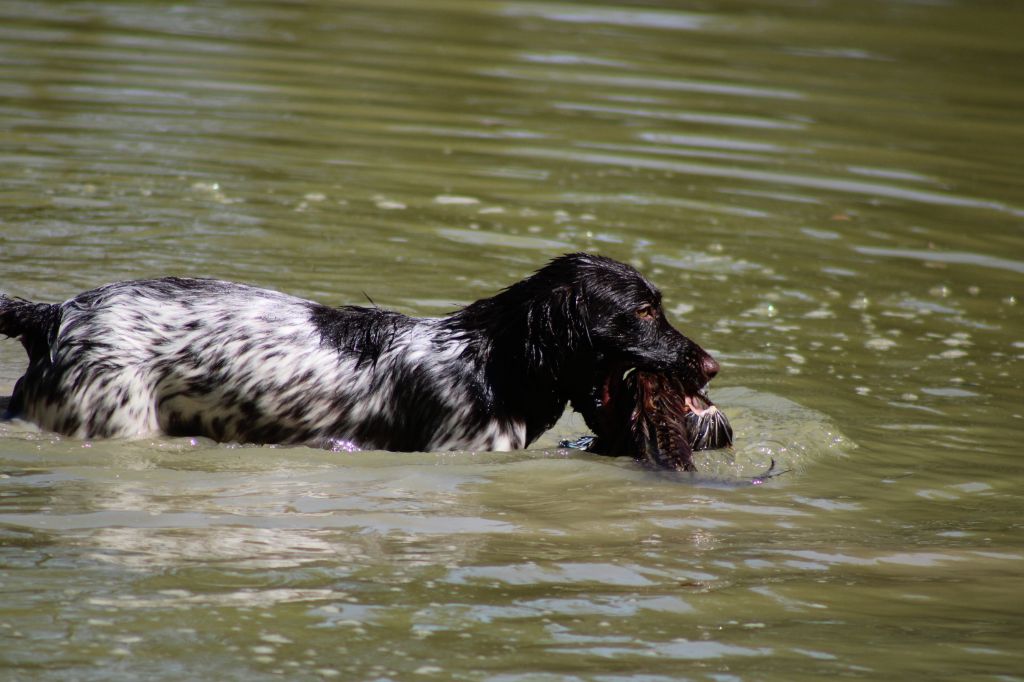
<point>576,329</point>
<point>638,382</point>
<point>607,315</point>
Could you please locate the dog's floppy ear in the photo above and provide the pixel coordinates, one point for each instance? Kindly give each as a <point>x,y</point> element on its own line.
<point>576,317</point>
<point>559,325</point>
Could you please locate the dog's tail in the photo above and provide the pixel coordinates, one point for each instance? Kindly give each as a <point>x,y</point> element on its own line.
<point>33,323</point>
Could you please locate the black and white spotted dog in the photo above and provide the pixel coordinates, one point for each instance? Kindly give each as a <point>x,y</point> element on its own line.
<point>201,357</point>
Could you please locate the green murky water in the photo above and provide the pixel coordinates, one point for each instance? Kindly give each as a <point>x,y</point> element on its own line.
<point>829,194</point>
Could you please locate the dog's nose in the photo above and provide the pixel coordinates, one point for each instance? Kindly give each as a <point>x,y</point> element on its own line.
<point>710,366</point>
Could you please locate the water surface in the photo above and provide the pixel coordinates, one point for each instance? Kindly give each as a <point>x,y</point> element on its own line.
<point>828,194</point>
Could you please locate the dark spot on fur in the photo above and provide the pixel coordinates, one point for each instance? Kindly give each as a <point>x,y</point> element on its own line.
<point>178,424</point>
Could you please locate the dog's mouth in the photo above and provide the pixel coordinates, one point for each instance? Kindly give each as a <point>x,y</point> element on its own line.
<point>655,417</point>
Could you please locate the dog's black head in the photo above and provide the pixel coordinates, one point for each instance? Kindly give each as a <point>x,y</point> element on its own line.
<point>637,381</point>
<point>605,314</point>
<point>573,330</point>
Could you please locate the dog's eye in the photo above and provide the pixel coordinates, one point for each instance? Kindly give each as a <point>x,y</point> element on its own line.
<point>646,312</point>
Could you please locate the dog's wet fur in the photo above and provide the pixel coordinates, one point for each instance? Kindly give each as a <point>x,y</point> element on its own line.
<point>235,363</point>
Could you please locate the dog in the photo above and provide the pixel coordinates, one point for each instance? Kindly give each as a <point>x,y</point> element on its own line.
<point>236,363</point>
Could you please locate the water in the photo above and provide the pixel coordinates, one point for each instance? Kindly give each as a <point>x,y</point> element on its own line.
<point>828,194</point>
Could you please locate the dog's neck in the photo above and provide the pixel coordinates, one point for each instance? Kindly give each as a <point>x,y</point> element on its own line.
<point>530,352</point>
